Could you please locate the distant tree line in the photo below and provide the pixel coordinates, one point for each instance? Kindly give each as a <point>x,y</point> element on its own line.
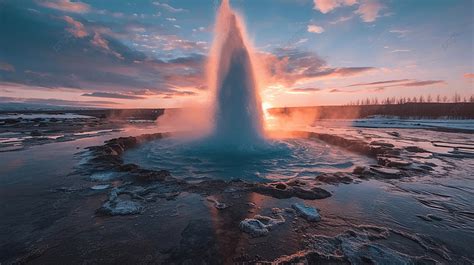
<point>456,98</point>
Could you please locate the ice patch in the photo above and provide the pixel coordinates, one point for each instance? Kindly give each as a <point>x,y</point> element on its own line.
<point>103,176</point>
<point>260,225</point>
<point>118,206</point>
<point>307,212</point>
<point>121,207</point>
<point>253,227</point>
<point>100,187</point>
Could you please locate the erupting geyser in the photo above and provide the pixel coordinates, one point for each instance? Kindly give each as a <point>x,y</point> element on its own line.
<point>238,110</point>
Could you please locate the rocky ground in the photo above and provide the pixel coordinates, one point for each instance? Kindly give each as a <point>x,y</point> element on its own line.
<point>106,211</point>
<point>19,131</point>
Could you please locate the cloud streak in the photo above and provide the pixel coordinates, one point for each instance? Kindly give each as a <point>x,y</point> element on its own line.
<point>66,5</point>
<point>111,95</point>
<point>468,75</point>
<point>169,7</point>
<point>380,86</point>
<point>291,66</point>
<point>315,29</point>
<point>326,6</point>
<point>56,102</point>
<point>305,89</point>
<point>77,28</point>
<point>368,10</point>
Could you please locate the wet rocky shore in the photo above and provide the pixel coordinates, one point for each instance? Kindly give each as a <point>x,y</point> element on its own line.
<point>391,211</point>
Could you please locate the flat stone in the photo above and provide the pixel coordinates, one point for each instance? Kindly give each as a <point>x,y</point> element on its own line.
<point>293,189</point>
<point>415,149</point>
<point>359,170</point>
<point>434,217</point>
<point>386,171</point>
<point>334,178</point>
<point>392,161</point>
<point>384,144</point>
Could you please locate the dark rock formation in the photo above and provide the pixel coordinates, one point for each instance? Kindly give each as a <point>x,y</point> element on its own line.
<point>293,189</point>
<point>335,178</point>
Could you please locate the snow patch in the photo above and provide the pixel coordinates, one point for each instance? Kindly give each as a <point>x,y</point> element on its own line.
<point>307,212</point>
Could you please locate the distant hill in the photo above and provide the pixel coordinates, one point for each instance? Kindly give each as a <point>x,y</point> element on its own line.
<point>407,110</point>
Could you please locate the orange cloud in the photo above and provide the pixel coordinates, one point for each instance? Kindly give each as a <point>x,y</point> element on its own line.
<point>289,67</point>
<point>315,29</point>
<point>369,10</point>
<point>468,75</point>
<point>100,42</point>
<point>78,29</point>
<point>325,6</point>
<point>66,5</point>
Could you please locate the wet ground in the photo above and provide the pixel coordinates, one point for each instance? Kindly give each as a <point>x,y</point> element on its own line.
<point>415,209</point>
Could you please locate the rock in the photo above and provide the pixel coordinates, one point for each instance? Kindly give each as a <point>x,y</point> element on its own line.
<point>11,121</point>
<point>415,149</point>
<point>145,175</point>
<point>359,170</point>
<point>36,133</point>
<point>293,189</point>
<point>424,218</point>
<point>392,161</point>
<point>251,204</point>
<point>295,182</point>
<point>221,205</point>
<point>280,186</point>
<point>128,167</point>
<point>253,227</point>
<point>334,178</point>
<point>276,211</point>
<point>307,212</point>
<point>396,134</point>
<point>434,217</point>
<point>384,144</point>
<point>312,194</point>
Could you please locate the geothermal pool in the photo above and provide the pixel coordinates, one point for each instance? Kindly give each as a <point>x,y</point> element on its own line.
<point>282,159</point>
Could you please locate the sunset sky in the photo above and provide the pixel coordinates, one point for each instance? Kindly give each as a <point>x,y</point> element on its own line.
<point>150,54</point>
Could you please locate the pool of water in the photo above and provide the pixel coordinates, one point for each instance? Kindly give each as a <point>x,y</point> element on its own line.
<point>277,160</point>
